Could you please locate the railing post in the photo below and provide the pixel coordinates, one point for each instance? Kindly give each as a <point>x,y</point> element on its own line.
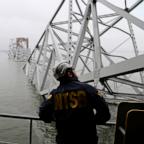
<point>30,136</point>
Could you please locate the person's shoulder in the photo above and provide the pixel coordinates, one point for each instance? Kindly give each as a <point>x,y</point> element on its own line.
<point>88,86</point>
<point>53,91</point>
<point>80,83</point>
<point>49,95</point>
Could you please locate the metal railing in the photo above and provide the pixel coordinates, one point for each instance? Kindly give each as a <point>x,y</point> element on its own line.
<point>30,118</point>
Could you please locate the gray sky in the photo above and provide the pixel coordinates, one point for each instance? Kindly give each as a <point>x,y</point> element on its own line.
<point>28,18</point>
<point>24,18</point>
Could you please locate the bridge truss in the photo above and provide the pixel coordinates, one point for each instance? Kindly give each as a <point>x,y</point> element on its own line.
<point>100,38</point>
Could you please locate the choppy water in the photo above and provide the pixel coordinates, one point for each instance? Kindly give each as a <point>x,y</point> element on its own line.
<point>19,97</point>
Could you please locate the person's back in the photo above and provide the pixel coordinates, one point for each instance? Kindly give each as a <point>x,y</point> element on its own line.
<point>72,105</point>
<point>74,116</point>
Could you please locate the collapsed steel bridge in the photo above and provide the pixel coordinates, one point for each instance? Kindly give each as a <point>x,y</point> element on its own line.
<point>100,38</point>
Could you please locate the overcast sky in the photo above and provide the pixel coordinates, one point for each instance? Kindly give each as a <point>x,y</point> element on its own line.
<point>24,18</point>
<point>28,18</point>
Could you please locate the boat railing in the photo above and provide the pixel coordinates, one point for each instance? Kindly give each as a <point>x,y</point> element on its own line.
<point>30,119</point>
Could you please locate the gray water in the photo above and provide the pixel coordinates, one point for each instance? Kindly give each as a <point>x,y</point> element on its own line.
<point>19,97</point>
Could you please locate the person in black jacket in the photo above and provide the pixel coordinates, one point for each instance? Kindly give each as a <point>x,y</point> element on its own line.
<point>76,108</point>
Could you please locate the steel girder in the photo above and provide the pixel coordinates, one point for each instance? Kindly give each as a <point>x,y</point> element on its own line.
<point>99,39</point>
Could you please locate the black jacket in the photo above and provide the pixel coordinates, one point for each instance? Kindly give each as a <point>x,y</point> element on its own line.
<point>71,106</point>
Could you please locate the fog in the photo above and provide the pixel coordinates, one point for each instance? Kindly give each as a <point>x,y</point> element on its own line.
<point>24,18</point>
